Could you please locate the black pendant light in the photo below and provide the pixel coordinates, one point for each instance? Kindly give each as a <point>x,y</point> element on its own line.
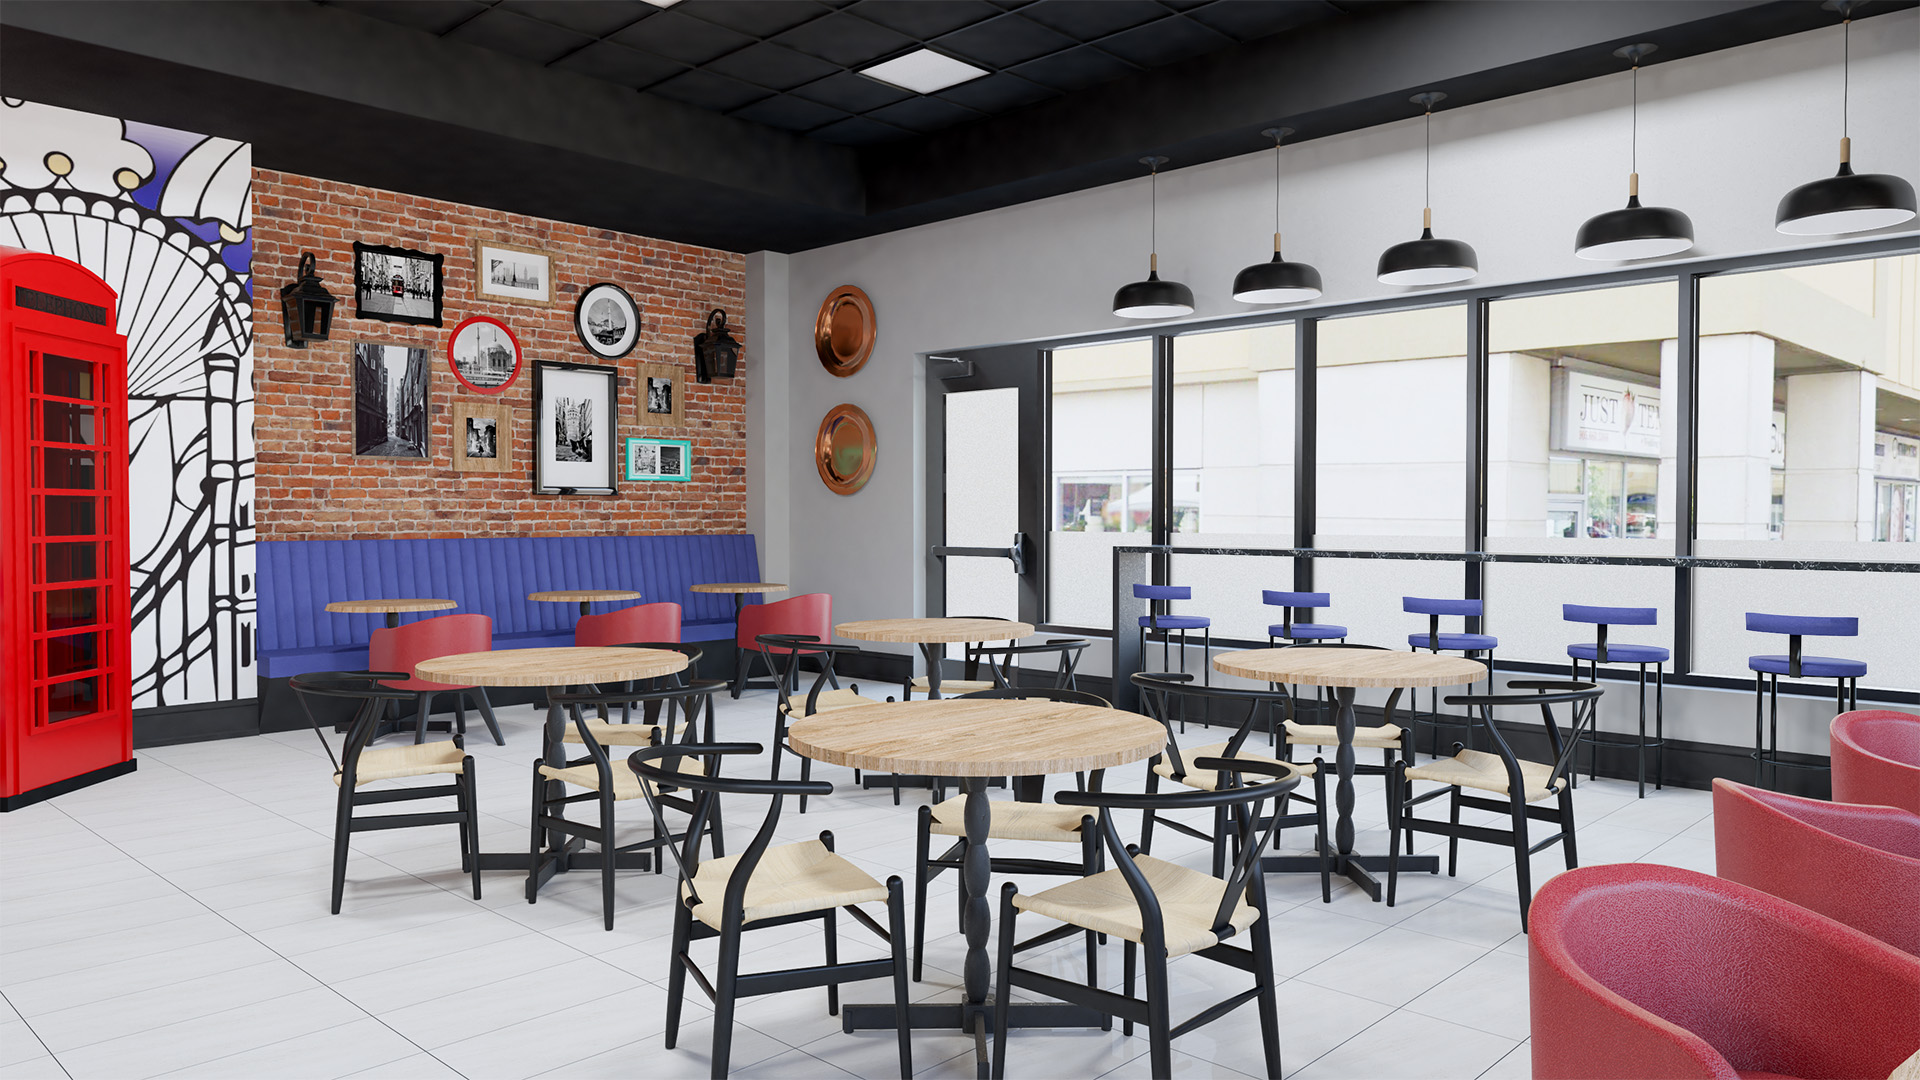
<point>1635,232</point>
<point>1153,298</point>
<point>1428,261</point>
<point>1278,281</point>
<point>1847,202</point>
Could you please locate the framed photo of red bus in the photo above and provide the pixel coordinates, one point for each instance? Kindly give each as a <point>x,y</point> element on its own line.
<point>576,450</point>
<point>396,284</point>
<point>484,354</point>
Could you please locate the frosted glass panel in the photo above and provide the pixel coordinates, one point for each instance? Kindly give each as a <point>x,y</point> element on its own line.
<point>1365,595</point>
<point>1524,601</point>
<point>983,499</point>
<point>1887,605</point>
<point>1226,588</point>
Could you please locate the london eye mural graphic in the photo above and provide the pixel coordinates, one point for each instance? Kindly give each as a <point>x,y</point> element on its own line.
<point>165,217</point>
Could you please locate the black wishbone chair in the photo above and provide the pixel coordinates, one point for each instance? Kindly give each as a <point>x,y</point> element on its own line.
<point>764,886</point>
<point>1518,783</point>
<point>1387,737</point>
<point>650,729</point>
<point>819,697</point>
<point>1162,695</point>
<point>1161,910</point>
<point>607,784</point>
<point>1010,820</point>
<point>358,765</point>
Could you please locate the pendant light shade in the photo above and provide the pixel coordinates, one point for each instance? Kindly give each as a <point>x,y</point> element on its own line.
<point>1277,281</point>
<point>1429,260</point>
<point>1153,298</point>
<point>1635,231</point>
<point>1846,202</point>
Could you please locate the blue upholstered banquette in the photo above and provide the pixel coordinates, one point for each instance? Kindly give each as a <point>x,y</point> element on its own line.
<point>298,578</point>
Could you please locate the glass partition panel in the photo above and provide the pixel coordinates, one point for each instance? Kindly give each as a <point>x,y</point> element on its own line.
<point>1102,453</point>
<point>1887,605</point>
<point>1227,588</point>
<point>983,499</point>
<point>1524,606</point>
<point>1365,596</point>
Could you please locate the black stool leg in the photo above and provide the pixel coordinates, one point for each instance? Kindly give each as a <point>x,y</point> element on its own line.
<point>1773,731</point>
<point>1640,748</point>
<point>1659,727</point>
<point>1759,732</point>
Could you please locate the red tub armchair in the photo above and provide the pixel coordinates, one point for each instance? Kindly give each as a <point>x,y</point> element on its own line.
<point>810,614</point>
<point>630,626</point>
<point>1876,758</point>
<point>1649,971</point>
<point>1859,865</point>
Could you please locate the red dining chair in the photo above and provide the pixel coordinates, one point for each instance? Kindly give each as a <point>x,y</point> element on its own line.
<point>628,626</point>
<point>1859,865</point>
<point>808,615</point>
<point>1647,971</point>
<point>401,647</point>
<point>1876,758</point>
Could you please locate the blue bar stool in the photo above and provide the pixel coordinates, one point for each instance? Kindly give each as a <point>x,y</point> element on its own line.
<point>1768,669</point>
<point>1435,641</point>
<point>1158,621</point>
<point>1602,653</point>
<point>1299,606</point>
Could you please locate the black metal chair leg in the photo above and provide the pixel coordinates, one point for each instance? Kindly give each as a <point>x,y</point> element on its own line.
<point>342,830</point>
<point>1002,1001</point>
<point>1159,1013</point>
<point>533,844</point>
<point>607,858</point>
<point>473,818</point>
<point>897,938</point>
<point>485,706</point>
<point>1522,859</point>
<point>459,712</point>
<point>922,842</point>
<point>830,942</point>
<point>1263,981</point>
<point>726,987</point>
<point>677,970</point>
<point>1128,962</point>
<point>422,708</point>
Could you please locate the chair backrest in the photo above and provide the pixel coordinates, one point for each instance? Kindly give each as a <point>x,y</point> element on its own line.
<point>1638,969</point>
<point>810,614</point>
<point>1309,600</point>
<point>371,690</point>
<point>999,660</point>
<point>1163,592</point>
<point>642,622</point>
<point>1803,625</point>
<point>1393,696</point>
<point>399,648</point>
<point>688,699</point>
<point>1424,605</point>
<point>1271,779</point>
<point>783,653</point>
<point>1616,616</point>
<point>1042,693</point>
<point>1583,696</point>
<point>1163,696</point>
<point>1859,865</point>
<point>1876,758</point>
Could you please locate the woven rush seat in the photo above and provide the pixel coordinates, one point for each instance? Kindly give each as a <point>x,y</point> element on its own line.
<point>626,785</point>
<point>791,879</point>
<point>953,686</point>
<point>1478,769</point>
<point>830,700</point>
<point>1013,821</point>
<point>1103,903</point>
<point>393,762</point>
<point>610,733</point>
<point>1207,779</point>
<point>1383,737</point>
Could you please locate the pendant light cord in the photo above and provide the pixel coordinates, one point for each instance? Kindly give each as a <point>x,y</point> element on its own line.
<point>1153,208</point>
<point>1427,177</point>
<point>1276,184</point>
<point>1633,154</point>
<point>1846,70</point>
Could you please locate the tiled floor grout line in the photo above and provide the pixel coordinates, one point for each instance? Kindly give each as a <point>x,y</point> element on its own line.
<point>55,1058</point>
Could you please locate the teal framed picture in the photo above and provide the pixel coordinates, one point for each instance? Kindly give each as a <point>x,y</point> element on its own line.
<point>659,459</point>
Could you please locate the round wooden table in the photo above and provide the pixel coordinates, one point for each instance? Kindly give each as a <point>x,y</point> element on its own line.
<point>392,608</point>
<point>586,597</point>
<point>1346,670</point>
<point>556,669</point>
<point>933,636</point>
<point>972,740</point>
<point>739,589</point>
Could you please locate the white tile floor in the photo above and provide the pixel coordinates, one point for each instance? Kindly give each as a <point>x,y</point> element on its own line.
<point>175,921</point>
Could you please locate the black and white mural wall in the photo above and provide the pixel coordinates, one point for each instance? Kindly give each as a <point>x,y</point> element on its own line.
<point>165,217</point>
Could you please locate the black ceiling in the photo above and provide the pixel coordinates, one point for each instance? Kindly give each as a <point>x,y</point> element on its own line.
<point>791,64</point>
<point>737,124</point>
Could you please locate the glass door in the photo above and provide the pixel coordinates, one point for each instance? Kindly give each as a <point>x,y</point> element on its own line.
<point>985,506</point>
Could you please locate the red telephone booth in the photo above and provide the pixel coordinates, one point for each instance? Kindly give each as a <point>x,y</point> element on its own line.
<point>66,717</point>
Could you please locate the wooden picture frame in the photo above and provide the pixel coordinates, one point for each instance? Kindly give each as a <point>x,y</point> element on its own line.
<point>510,273</point>
<point>481,426</point>
<point>658,459</point>
<point>391,283</point>
<point>575,452</point>
<point>659,392</point>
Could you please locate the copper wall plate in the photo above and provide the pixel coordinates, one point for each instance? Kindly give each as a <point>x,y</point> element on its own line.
<point>843,334</point>
<point>845,448</point>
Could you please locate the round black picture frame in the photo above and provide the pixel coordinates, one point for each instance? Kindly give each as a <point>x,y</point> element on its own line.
<point>604,350</point>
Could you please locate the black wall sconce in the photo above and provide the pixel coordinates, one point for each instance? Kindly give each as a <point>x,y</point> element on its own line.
<point>714,351</point>
<point>306,307</point>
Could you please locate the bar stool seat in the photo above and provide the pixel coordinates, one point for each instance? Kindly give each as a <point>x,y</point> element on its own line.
<point>1455,642</point>
<point>1812,667</point>
<point>1175,622</point>
<point>1306,631</point>
<point>1621,654</point>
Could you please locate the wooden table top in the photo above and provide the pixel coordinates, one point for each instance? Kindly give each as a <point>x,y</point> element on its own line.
<point>739,587</point>
<point>966,737</point>
<point>377,607</point>
<point>1351,667</point>
<point>934,631</point>
<point>562,666</point>
<point>576,596</point>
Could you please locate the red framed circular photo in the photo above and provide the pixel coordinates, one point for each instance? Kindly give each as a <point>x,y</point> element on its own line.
<point>484,355</point>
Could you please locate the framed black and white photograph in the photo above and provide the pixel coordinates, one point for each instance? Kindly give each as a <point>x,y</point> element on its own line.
<point>659,391</point>
<point>575,447</point>
<point>390,417</point>
<point>505,272</point>
<point>482,437</point>
<point>659,459</point>
<point>607,320</point>
<point>485,355</point>
<point>396,284</point>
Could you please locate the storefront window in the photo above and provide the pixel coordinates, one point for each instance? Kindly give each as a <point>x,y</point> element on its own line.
<point>1102,483</point>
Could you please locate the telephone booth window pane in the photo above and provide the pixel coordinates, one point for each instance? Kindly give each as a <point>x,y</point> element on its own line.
<point>65,422</point>
<point>67,469</point>
<point>64,376</point>
<point>75,652</point>
<point>68,700</point>
<point>68,515</point>
<point>65,609</point>
<point>68,562</point>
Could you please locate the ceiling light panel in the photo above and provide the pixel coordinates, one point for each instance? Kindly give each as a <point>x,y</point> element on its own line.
<point>923,71</point>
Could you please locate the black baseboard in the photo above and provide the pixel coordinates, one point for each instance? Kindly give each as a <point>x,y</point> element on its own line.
<point>61,787</point>
<point>174,724</point>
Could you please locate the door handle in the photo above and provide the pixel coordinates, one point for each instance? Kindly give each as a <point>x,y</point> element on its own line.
<point>1017,554</point>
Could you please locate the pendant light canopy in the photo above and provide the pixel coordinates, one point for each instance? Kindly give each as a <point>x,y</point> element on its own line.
<point>1847,202</point>
<point>1635,232</point>
<point>1428,260</point>
<point>1277,281</point>
<point>1153,298</point>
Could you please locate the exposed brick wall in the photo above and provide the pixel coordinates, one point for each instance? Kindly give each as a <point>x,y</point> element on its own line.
<point>309,484</point>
